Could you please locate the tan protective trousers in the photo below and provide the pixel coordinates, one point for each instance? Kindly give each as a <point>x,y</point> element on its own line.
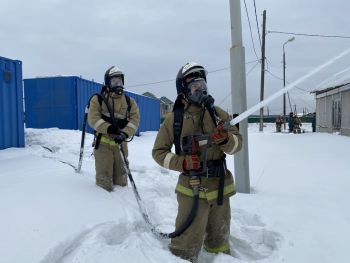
<point>109,166</point>
<point>211,226</point>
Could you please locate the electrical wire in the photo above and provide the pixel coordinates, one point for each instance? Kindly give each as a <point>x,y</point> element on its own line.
<point>273,75</point>
<point>252,68</point>
<point>150,83</point>
<point>229,94</point>
<point>286,81</point>
<point>250,28</point>
<point>305,92</point>
<point>307,35</point>
<point>171,80</point>
<point>270,64</point>
<point>257,24</point>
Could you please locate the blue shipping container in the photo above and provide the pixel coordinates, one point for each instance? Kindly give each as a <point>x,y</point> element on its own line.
<point>149,112</point>
<point>57,101</point>
<point>11,104</point>
<point>61,101</point>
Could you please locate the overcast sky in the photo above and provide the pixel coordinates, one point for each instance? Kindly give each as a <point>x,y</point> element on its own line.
<point>150,41</point>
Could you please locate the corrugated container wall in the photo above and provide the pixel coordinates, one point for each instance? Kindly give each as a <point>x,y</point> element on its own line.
<point>11,104</point>
<point>149,112</point>
<point>57,101</point>
<point>60,102</point>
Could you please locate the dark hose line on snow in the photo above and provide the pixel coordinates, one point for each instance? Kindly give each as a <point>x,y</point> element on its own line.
<point>145,216</point>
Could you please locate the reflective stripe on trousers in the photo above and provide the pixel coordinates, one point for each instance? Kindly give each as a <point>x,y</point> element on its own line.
<point>108,141</point>
<point>228,189</point>
<point>223,248</point>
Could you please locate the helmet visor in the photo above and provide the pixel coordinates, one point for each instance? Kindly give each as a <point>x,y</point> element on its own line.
<point>197,91</point>
<point>116,82</point>
<point>193,75</point>
<point>197,85</point>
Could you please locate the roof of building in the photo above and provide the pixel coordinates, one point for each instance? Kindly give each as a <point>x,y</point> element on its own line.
<point>166,100</point>
<point>149,94</point>
<point>336,81</point>
<point>317,92</point>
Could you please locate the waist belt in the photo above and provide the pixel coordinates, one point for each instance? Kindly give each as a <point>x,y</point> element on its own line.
<point>215,168</point>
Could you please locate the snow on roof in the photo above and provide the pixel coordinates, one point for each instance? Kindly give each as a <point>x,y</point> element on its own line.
<point>339,79</point>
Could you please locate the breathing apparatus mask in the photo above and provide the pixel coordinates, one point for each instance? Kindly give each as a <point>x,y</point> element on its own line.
<point>197,90</point>
<point>116,85</point>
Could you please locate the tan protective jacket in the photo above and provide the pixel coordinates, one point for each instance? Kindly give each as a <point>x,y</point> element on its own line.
<point>191,126</point>
<point>120,106</point>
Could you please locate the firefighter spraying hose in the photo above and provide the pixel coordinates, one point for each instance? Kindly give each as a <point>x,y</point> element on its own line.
<point>197,145</point>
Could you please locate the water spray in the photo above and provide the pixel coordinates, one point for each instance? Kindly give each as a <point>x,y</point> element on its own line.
<point>290,86</point>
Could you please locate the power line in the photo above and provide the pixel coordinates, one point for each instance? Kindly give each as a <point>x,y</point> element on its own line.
<point>307,102</point>
<point>250,28</point>
<point>289,96</point>
<point>220,69</point>
<point>270,64</point>
<point>171,80</point>
<point>150,83</point>
<point>249,62</point>
<point>229,94</point>
<point>273,75</point>
<point>307,35</point>
<point>257,63</point>
<point>286,81</point>
<point>257,24</point>
<point>225,98</point>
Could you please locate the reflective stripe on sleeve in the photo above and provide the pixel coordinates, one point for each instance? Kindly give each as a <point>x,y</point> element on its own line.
<point>235,145</point>
<point>98,124</point>
<point>131,125</point>
<point>119,116</point>
<point>167,160</point>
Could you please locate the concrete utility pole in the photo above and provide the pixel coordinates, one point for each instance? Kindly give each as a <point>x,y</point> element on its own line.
<point>262,82</point>
<point>284,82</point>
<point>238,95</point>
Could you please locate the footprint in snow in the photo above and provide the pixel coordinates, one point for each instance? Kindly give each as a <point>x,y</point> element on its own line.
<point>112,242</point>
<point>250,239</point>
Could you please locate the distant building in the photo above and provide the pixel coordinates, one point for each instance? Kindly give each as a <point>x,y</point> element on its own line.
<point>166,105</point>
<point>150,95</point>
<point>333,109</point>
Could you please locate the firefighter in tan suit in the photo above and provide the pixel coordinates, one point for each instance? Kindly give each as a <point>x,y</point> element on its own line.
<point>211,225</point>
<point>296,124</point>
<point>111,131</point>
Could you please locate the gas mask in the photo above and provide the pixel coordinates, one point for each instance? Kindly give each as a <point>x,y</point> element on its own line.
<point>116,85</point>
<point>197,91</point>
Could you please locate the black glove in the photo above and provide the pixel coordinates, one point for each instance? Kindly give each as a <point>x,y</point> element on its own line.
<point>122,136</point>
<point>234,116</point>
<point>113,130</point>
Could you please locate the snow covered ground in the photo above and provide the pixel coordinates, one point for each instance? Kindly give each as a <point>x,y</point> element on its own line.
<point>298,210</point>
